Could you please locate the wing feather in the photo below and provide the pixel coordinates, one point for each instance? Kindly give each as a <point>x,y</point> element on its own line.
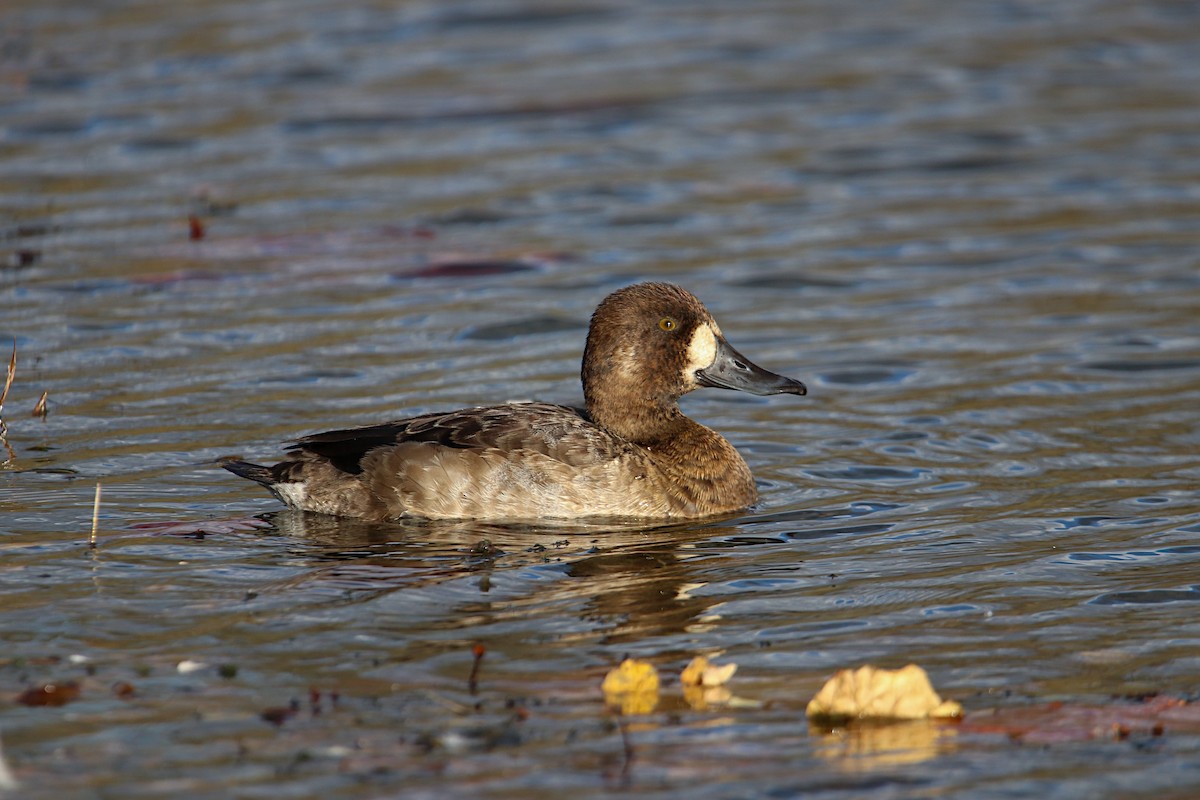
<point>562,433</point>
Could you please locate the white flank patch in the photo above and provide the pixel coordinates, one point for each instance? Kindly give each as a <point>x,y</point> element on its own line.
<point>702,350</point>
<point>292,494</point>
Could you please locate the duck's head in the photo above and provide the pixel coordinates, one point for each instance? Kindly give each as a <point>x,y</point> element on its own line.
<point>651,343</point>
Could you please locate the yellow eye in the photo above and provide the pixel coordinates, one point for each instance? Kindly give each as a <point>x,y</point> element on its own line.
<point>668,324</point>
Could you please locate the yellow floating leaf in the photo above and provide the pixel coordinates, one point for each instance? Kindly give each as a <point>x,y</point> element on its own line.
<point>631,676</point>
<point>632,687</point>
<point>699,672</point>
<point>872,693</point>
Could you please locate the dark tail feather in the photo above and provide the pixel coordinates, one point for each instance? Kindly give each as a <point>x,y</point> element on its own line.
<point>254,472</point>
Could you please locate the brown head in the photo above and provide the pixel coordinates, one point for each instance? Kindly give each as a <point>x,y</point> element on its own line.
<point>651,343</point>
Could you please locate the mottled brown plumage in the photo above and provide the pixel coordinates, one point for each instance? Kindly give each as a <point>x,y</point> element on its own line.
<point>631,453</point>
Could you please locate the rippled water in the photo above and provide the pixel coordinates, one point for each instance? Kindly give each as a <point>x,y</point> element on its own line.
<point>971,228</point>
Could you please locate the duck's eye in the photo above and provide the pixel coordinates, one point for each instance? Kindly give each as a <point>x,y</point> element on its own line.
<point>668,324</point>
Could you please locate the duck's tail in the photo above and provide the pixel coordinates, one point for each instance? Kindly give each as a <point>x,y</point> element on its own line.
<point>332,490</point>
<point>255,472</point>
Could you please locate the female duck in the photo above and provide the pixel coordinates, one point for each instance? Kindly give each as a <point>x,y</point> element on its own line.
<point>631,453</point>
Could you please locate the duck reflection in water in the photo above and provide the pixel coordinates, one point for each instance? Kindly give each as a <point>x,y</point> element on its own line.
<point>625,582</point>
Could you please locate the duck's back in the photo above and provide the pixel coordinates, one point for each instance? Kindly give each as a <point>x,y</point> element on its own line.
<point>512,461</point>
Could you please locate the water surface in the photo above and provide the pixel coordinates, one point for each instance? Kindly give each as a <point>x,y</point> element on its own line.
<point>970,229</point>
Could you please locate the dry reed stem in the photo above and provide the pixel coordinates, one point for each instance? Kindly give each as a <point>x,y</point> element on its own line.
<point>12,370</point>
<point>7,782</point>
<point>95,517</point>
<point>39,410</point>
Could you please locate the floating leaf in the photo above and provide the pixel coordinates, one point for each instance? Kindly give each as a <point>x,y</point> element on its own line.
<point>632,687</point>
<point>872,693</point>
<point>700,672</point>
<point>279,715</point>
<point>469,268</point>
<point>704,683</point>
<point>50,694</point>
<point>195,228</point>
<point>1057,722</point>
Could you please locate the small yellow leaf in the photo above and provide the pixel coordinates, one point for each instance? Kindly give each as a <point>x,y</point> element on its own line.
<point>631,676</point>
<point>699,672</point>
<point>632,687</point>
<point>869,692</point>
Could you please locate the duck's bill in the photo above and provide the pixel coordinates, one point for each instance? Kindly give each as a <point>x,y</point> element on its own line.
<point>732,370</point>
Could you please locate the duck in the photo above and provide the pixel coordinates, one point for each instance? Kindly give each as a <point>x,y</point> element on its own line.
<point>630,452</point>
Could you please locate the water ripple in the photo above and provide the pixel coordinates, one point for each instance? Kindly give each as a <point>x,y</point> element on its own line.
<point>970,228</point>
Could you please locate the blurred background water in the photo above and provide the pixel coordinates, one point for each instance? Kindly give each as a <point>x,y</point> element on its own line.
<point>970,228</point>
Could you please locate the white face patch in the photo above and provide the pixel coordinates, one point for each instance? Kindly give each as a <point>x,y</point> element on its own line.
<point>702,350</point>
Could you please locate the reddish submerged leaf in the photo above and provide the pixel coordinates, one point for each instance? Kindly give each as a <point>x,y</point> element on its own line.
<point>278,716</point>
<point>468,269</point>
<point>50,694</point>
<point>1051,723</point>
<point>195,228</point>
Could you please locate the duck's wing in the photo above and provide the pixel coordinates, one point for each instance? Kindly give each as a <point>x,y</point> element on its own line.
<point>519,461</point>
<point>563,433</point>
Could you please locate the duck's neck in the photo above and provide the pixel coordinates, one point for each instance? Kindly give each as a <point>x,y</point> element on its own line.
<point>644,423</point>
